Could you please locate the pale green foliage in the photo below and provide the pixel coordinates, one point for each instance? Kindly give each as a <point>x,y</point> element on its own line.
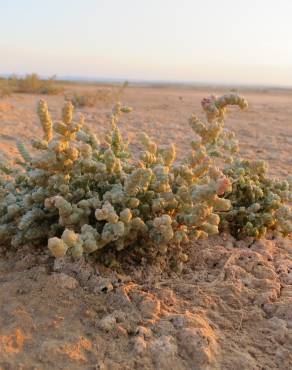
<point>259,203</point>
<point>83,196</point>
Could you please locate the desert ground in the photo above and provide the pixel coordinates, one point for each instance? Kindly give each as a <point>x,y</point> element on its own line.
<point>231,308</point>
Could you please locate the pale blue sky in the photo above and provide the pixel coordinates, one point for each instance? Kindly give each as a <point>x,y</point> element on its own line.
<point>223,41</point>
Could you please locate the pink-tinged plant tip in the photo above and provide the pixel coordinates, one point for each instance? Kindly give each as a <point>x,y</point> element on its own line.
<point>224,184</point>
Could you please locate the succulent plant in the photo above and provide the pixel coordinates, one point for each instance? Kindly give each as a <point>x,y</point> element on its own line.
<point>81,196</point>
<point>258,202</point>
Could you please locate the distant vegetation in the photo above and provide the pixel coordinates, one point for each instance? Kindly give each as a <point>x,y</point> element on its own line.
<point>30,84</point>
<point>5,89</point>
<point>89,99</point>
<point>104,95</point>
<point>33,84</point>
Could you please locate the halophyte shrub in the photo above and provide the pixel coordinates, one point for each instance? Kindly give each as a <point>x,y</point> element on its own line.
<point>85,197</point>
<point>258,203</point>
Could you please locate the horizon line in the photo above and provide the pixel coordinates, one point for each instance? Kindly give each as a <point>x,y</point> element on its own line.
<point>189,83</point>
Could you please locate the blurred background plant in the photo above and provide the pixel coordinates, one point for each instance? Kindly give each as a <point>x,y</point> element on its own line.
<point>5,88</point>
<point>104,95</point>
<point>30,84</point>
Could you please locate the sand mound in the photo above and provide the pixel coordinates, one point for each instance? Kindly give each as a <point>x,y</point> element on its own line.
<point>230,309</point>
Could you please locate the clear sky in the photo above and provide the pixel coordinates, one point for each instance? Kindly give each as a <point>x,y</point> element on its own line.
<point>227,41</point>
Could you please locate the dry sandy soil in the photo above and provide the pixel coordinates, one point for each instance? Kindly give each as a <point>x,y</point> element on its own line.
<point>230,309</point>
